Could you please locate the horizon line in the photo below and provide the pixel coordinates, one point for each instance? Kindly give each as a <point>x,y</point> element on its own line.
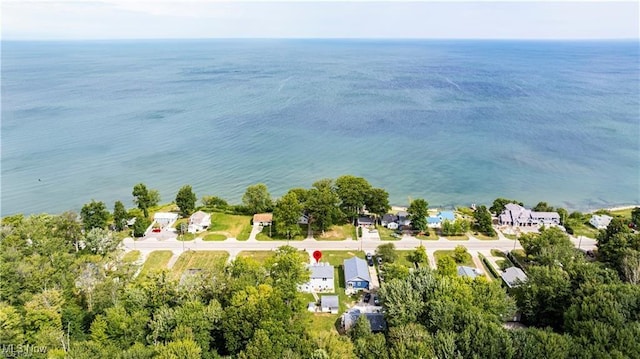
<point>326,38</point>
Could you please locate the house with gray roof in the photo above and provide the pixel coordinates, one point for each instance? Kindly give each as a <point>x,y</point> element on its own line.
<point>513,277</point>
<point>469,272</point>
<point>321,279</point>
<point>356,275</point>
<point>365,221</point>
<point>600,221</point>
<point>389,218</point>
<point>376,320</point>
<point>518,216</point>
<point>329,304</point>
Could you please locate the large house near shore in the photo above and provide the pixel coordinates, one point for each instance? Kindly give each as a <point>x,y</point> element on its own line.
<point>518,216</point>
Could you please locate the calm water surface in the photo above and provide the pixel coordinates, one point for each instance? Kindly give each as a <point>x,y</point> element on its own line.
<point>455,122</point>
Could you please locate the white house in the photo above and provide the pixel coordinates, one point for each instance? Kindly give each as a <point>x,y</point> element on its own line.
<point>199,221</point>
<point>600,221</point>
<point>165,219</point>
<point>321,279</point>
<point>263,219</point>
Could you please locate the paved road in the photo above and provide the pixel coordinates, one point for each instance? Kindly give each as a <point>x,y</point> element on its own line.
<point>407,243</point>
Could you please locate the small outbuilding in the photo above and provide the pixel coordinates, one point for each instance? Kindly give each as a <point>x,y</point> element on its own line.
<point>513,277</point>
<point>468,272</point>
<point>329,304</point>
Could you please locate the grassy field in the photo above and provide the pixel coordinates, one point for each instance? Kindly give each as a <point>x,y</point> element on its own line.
<point>157,260</point>
<point>323,322</point>
<point>258,256</point>
<point>625,213</point>
<point>186,237</point>
<point>131,256</point>
<point>498,253</point>
<point>205,260</point>
<point>230,226</point>
<point>336,233</point>
<point>441,253</point>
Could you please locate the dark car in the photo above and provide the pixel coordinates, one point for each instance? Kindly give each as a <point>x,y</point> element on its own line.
<point>367,297</point>
<point>370,262</point>
<point>376,301</point>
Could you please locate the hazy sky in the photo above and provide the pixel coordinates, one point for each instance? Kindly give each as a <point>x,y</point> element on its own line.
<point>119,19</point>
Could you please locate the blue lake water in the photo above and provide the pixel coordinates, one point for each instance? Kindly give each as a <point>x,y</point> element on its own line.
<point>454,122</point>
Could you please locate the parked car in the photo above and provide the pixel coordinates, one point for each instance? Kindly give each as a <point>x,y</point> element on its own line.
<point>367,298</point>
<point>376,300</point>
<point>379,260</point>
<point>369,256</point>
<point>156,230</point>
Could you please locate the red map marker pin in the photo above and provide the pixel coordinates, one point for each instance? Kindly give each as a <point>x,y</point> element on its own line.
<point>317,255</point>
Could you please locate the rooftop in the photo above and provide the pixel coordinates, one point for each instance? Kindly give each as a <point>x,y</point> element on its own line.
<point>321,270</point>
<point>329,301</point>
<point>262,217</point>
<point>356,268</point>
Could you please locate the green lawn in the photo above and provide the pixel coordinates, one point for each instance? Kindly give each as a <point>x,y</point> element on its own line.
<point>403,259</point>
<point>230,225</point>
<point>264,234</point>
<point>463,237</point>
<point>258,256</point>
<point>261,256</point>
<point>582,228</point>
<point>214,237</point>
<point>131,256</point>
<point>387,234</point>
<point>186,237</point>
<point>484,237</point>
<point>433,236</point>
<point>498,253</point>
<point>441,253</point>
<point>322,322</point>
<point>205,260</point>
<point>337,233</point>
<point>157,260</point>
<point>510,236</point>
<point>336,258</point>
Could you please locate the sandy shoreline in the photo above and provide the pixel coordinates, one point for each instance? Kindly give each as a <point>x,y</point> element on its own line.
<point>611,209</point>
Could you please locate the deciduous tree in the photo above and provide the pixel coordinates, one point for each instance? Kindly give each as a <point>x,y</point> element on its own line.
<point>286,215</point>
<point>353,193</point>
<point>483,221</point>
<point>257,199</point>
<point>94,215</point>
<point>388,252</point>
<point>418,211</point>
<point>186,200</point>
<point>120,215</point>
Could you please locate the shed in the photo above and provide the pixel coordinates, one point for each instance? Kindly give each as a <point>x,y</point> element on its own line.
<point>329,304</point>
<point>513,277</point>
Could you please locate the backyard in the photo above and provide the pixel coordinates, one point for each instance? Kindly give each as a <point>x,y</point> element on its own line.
<point>336,233</point>
<point>442,253</point>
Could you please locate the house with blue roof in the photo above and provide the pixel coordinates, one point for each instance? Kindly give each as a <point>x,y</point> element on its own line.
<point>433,222</point>
<point>356,275</point>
